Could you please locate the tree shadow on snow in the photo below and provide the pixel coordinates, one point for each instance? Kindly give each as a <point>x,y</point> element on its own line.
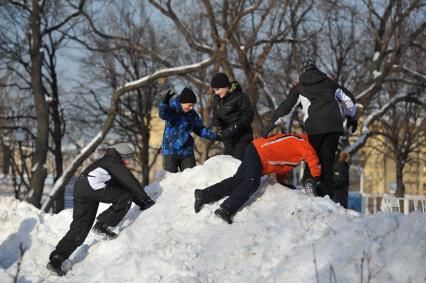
<point>12,249</point>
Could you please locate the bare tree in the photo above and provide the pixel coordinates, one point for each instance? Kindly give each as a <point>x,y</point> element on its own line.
<point>401,134</point>
<point>213,54</point>
<point>34,27</point>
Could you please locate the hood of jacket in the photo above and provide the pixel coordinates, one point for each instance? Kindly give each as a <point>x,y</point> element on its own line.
<point>175,104</point>
<point>112,154</point>
<point>235,87</point>
<point>312,77</point>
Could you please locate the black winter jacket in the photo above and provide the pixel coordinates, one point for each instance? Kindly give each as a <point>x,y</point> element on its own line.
<point>121,176</point>
<point>234,110</point>
<point>317,94</point>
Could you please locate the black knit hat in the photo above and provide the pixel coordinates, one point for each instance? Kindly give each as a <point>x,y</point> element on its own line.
<point>187,96</point>
<point>220,80</point>
<point>308,64</point>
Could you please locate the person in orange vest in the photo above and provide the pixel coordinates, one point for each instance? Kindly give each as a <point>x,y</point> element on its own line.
<point>276,154</point>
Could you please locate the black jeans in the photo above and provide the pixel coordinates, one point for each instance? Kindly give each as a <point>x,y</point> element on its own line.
<point>172,163</point>
<point>86,202</point>
<point>325,146</point>
<point>239,187</point>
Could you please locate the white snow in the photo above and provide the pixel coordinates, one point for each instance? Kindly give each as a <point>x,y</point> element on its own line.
<point>376,56</point>
<point>376,74</point>
<point>279,236</point>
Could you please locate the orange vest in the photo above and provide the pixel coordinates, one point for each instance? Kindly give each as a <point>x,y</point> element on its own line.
<point>281,153</point>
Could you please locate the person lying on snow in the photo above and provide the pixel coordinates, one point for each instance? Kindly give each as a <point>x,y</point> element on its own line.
<point>107,180</point>
<point>276,154</point>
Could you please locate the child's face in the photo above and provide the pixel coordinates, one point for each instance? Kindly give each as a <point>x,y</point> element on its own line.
<point>126,162</point>
<point>187,106</point>
<point>221,92</point>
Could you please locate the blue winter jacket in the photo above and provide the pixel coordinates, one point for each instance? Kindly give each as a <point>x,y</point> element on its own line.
<point>177,137</point>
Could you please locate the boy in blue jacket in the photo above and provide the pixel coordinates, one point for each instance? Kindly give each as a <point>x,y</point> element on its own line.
<point>181,119</point>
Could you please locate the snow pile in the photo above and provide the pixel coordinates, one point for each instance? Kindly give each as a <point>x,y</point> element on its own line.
<point>279,236</point>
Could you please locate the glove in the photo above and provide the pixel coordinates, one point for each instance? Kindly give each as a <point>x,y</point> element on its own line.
<point>146,203</point>
<point>268,129</point>
<point>168,95</point>
<point>351,124</point>
<point>311,186</point>
<point>229,132</point>
<point>219,137</point>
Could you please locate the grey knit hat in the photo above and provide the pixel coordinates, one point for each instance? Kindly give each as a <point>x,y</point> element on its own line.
<point>126,150</point>
<point>308,65</point>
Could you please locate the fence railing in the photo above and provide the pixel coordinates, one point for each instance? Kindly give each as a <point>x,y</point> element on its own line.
<point>373,203</point>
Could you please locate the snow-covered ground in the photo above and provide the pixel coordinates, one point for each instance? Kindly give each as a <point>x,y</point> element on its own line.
<point>279,236</point>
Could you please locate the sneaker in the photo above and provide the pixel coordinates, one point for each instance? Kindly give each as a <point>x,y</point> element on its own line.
<point>55,265</point>
<point>198,204</point>
<point>102,229</point>
<point>310,188</point>
<point>224,215</point>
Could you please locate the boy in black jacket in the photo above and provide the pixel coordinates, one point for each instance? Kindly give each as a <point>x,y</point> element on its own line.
<point>324,103</point>
<point>232,112</point>
<point>107,180</point>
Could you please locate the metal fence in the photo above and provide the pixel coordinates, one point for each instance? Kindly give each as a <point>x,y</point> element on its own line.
<point>373,203</point>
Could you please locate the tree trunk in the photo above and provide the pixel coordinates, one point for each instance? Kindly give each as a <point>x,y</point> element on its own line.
<point>145,156</point>
<point>59,203</point>
<point>38,162</point>
<point>400,188</point>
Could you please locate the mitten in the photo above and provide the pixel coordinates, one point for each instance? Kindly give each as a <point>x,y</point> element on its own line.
<point>351,124</point>
<point>167,97</point>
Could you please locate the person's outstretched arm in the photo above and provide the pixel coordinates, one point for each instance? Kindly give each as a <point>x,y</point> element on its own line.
<point>311,158</point>
<point>283,109</point>
<point>201,131</point>
<point>128,181</point>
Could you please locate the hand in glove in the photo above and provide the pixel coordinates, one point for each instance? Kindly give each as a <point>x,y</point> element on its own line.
<point>146,203</point>
<point>168,95</point>
<point>219,137</point>
<point>351,124</point>
<point>268,129</point>
<point>311,186</point>
<point>229,132</point>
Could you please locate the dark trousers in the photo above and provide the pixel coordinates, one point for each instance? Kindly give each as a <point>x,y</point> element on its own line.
<point>325,146</point>
<point>86,202</point>
<point>237,148</point>
<point>239,187</point>
<point>172,163</point>
<point>341,195</point>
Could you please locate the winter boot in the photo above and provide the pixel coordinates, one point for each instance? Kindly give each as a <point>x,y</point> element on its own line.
<point>55,265</point>
<point>223,214</point>
<point>102,229</point>
<point>199,203</point>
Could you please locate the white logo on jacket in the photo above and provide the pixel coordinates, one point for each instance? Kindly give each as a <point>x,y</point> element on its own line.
<point>97,178</point>
<point>305,106</point>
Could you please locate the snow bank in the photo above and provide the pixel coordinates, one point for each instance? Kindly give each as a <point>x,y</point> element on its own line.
<point>279,236</point>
